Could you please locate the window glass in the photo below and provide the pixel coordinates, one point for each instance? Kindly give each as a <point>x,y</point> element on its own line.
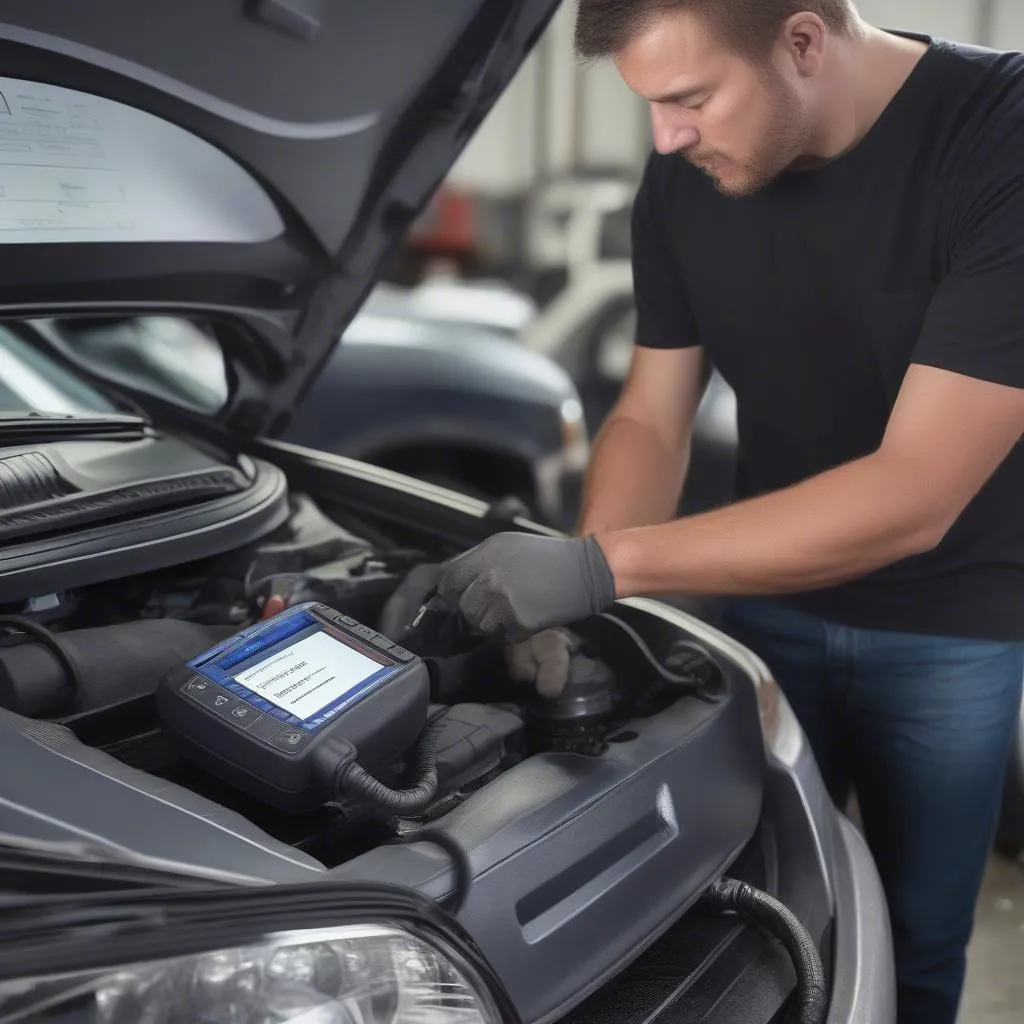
<point>170,358</point>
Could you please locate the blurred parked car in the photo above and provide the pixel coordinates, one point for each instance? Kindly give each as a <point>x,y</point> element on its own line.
<point>454,404</point>
<point>493,304</point>
<point>572,220</point>
<point>581,229</point>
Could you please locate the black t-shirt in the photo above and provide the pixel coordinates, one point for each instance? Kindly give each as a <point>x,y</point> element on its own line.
<point>813,297</point>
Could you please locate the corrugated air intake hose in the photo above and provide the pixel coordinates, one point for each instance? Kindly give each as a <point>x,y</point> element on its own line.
<point>729,896</point>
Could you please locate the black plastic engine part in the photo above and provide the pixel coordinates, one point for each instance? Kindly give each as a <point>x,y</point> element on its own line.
<point>308,538</point>
<point>415,617</point>
<point>44,491</point>
<point>359,597</point>
<point>573,721</point>
<point>197,508</point>
<point>474,739</point>
<point>609,850</point>
<point>45,674</point>
<point>465,746</point>
<point>476,676</point>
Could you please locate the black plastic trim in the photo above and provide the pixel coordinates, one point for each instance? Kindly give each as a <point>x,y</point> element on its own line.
<point>147,543</point>
<point>71,511</point>
<point>580,863</point>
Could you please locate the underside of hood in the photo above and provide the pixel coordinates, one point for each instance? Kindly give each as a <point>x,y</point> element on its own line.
<point>251,159</point>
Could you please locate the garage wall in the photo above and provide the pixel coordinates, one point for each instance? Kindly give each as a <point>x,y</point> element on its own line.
<point>557,116</point>
<point>1008,24</point>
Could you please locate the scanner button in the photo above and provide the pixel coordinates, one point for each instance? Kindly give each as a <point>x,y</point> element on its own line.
<point>208,694</point>
<point>196,687</point>
<point>244,715</point>
<point>364,631</point>
<point>382,642</point>
<point>401,654</point>
<point>223,704</point>
<point>290,738</point>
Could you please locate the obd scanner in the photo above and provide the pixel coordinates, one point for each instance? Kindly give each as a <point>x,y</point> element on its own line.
<point>296,707</point>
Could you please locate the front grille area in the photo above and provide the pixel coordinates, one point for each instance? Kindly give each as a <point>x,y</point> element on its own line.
<point>704,970</point>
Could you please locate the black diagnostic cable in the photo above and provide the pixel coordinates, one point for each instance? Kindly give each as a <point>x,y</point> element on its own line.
<point>347,779</point>
<point>460,862</point>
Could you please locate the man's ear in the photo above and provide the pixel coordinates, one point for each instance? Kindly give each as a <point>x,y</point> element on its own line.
<point>803,38</point>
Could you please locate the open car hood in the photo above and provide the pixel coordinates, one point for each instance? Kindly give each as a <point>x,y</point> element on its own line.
<point>252,159</point>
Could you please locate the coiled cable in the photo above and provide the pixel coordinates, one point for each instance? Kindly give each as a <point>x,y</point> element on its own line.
<point>351,780</point>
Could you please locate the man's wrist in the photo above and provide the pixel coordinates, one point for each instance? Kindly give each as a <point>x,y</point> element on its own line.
<point>591,525</point>
<point>620,552</point>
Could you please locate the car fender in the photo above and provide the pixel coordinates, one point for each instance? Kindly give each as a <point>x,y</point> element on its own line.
<point>432,431</point>
<point>404,381</point>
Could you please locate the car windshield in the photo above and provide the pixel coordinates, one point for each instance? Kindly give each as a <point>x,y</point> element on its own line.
<point>32,381</point>
<point>170,358</point>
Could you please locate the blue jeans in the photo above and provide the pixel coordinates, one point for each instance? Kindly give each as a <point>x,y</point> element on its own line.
<point>920,728</point>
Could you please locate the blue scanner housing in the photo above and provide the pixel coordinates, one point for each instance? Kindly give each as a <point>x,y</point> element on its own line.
<point>256,709</point>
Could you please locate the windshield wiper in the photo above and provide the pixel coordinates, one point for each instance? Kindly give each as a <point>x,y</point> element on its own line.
<point>36,427</point>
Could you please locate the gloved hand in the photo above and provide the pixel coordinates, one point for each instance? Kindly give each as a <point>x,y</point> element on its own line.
<point>544,660</point>
<point>517,584</point>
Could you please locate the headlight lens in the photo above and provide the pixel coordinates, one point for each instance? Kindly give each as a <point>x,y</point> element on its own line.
<point>357,974</point>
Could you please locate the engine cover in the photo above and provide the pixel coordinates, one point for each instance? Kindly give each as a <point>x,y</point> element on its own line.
<point>79,512</point>
<point>578,860</point>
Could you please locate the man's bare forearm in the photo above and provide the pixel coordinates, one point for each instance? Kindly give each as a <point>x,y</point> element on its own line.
<point>829,529</point>
<point>634,478</point>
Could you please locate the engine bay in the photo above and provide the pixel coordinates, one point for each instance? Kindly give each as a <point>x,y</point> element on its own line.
<point>92,659</point>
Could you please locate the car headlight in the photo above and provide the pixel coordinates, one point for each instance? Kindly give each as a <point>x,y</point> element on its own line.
<point>352,974</point>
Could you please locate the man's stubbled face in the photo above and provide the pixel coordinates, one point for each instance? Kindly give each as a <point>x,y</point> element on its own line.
<point>738,121</point>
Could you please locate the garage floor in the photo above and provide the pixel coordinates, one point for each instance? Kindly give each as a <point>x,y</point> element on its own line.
<point>995,972</point>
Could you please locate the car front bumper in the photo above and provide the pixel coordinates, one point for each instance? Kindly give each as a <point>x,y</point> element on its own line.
<point>817,863</point>
<point>863,977</point>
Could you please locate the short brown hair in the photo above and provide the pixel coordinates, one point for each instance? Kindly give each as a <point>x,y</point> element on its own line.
<point>604,27</point>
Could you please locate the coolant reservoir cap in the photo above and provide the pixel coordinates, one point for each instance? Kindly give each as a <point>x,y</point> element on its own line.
<point>588,693</point>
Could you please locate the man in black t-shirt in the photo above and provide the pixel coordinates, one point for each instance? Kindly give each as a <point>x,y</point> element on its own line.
<point>835,218</point>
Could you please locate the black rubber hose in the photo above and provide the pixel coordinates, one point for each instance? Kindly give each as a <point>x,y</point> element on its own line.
<point>460,863</point>
<point>61,691</point>
<point>728,895</point>
<point>681,683</point>
<point>354,781</point>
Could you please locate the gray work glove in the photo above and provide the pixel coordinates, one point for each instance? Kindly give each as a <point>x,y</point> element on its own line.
<point>544,660</point>
<point>517,584</point>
